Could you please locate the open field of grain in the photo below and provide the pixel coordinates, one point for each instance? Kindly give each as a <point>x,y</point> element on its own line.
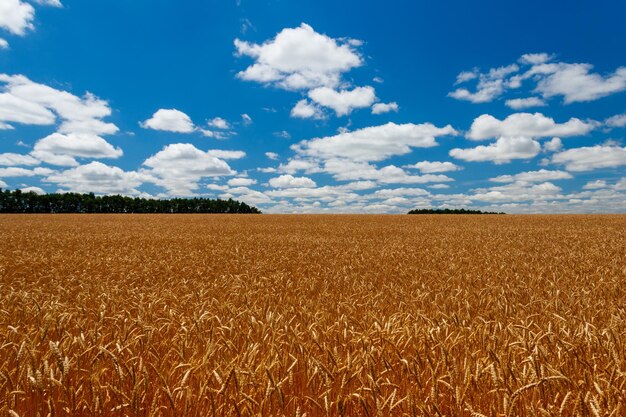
<point>192,315</point>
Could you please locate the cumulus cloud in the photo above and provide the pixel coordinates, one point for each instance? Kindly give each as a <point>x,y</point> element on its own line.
<point>241,182</point>
<point>13,159</point>
<point>573,82</point>
<point>347,170</point>
<point>219,123</point>
<point>98,178</point>
<point>374,143</point>
<point>16,16</point>
<point>289,181</point>
<point>24,172</point>
<point>502,151</point>
<point>305,110</point>
<point>576,82</point>
<point>271,155</point>
<point>380,108</point>
<point>591,157</point>
<point>26,102</point>
<point>490,85</point>
<point>4,44</point>
<point>526,124</point>
<point>179,167</point>
<point>524,103</point>
<point>619,120</point>
<point>343,101</point>
<point>60,149</point>
<point>169,120</point>
<point>553,145</point>
<point>36,190</point>
<point>299,59</point>
<point>428,167</point>
<point>534,176</point>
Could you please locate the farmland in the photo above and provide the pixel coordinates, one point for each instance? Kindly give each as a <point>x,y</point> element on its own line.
<point>192,315</point>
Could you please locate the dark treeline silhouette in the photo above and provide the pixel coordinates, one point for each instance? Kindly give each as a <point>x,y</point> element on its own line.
<point>20,202</point>
<point>450,211</point>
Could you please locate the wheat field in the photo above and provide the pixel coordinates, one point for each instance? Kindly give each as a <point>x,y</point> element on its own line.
<point>218,315</point>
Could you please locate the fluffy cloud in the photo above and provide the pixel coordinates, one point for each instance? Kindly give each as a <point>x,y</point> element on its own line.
<point>574,82</point>
<point>98,178</point>
<point>60,149</point>
<point>346,170</point>
<point>591,157</point>
<point>169,120</point>
<point>271,155</point>
<point>427,167</point>
<point>524,103</point>
<point>26,102</point>
<point>12,159</point>
<point>53,3</point>
<point>534,176</point>
<point>374,143</point>
<point>380,108</point>
<point>241,182</point>
<point>16,16</point>
<point>289,181</point>
<point>4,44</point>
<point>23,172</point>
<point>305,110</point>
<point>299,59</point>
<point>490,85</point>
<point>220,123</point>
<point>526,124</point>
<point>343,101</point>
<point>619,120</point>
<point>502,151</point>
<point>179,167</point>
<point>553,145</point>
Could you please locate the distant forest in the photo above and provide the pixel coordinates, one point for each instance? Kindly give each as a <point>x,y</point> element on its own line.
<point>20,202</point>
<point>450,211</point>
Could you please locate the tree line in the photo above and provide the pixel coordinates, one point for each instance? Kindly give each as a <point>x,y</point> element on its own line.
<point>30,202</point>
<point>450,211</point>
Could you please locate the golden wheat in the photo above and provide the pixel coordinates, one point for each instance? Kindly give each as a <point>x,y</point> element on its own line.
<point>191,315</point>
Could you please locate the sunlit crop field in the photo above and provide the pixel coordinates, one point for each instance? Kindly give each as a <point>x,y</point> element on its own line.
<point>202,315</point>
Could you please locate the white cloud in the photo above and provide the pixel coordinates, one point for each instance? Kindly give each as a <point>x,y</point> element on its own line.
<point>241,182</point>
<point>305,110</point>
<point>526,124</point>
<point>219,123</point>
<point>295,165</point>
<point>299,59</point>
<point>289,181</point>
<point>576,83</point>
<point>534,176</point>
<point>218,153</point>
<point>53,3</point>
<point>502,151</point>
<point>347,170</point>
<point>271,155</point>
<point>374,143</point>
<point>590,158</point>
<point>169,120</point>
<point>60,149</point>
<point>246,119</point>
<point>4,44</point>
<point>3,184</point>
<point>524,103</point>
<point>23,172</point>
<point>427,167</point>
<point>179,167</point>
<point>98,178</point>
<point>12,159</point>
<point>343,101</point>
<point>619,120</point>
<point>553,145</point>
<point>26,102</point>
<point>16,16</point>
<point>380,108</point>
<point>490,85</point>
<point>595,185</point>
<point>534,59</point>
<point>36,190</point>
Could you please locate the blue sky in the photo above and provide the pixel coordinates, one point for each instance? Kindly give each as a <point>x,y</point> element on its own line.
<point>318,106</point>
